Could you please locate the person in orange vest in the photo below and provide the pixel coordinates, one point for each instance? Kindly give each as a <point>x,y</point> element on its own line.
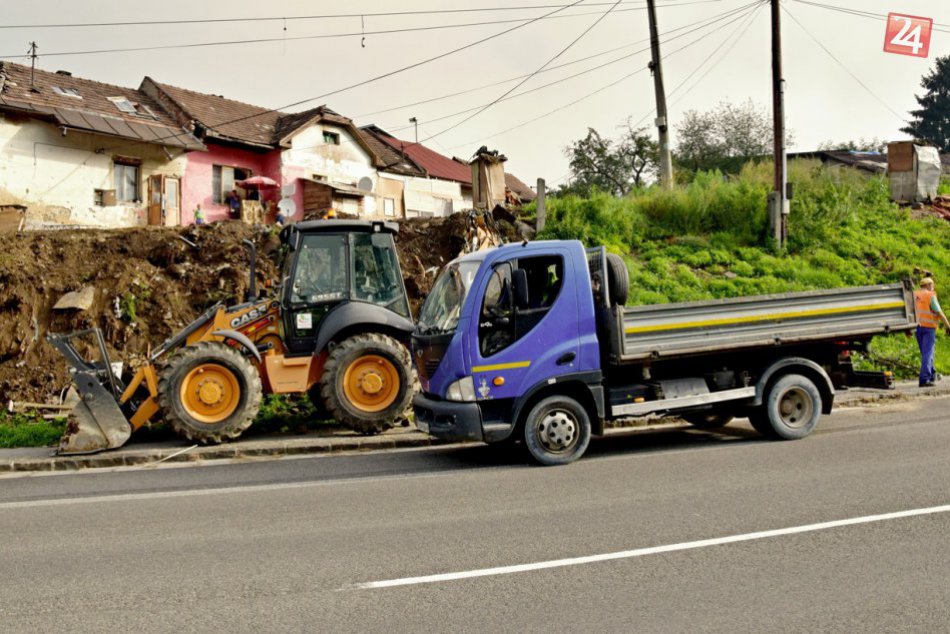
<point>929,316</point>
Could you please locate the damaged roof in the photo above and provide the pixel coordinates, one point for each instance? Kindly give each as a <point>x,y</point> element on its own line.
<point>390,160</point>
<point>434,164</point>
<point>89,106</point>
<point>524,193</point>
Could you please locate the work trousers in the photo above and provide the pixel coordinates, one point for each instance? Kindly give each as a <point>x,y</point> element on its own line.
<point>927,341</point>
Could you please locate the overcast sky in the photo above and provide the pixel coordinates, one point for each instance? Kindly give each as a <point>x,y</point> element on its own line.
<point>728,61</point>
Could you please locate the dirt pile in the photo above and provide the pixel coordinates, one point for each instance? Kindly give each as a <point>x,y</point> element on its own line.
<point>142,285</point>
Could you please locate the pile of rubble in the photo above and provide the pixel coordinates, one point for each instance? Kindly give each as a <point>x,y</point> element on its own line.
<point>142,285</point>
<point>941,207</point>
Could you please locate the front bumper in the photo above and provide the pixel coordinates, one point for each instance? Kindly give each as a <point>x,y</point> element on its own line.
<point>447,419</point>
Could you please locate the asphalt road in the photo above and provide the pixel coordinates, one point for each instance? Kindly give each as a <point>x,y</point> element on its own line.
<point>299,545</point>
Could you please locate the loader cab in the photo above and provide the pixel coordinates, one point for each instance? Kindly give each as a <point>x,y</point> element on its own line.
<point>334,262</point>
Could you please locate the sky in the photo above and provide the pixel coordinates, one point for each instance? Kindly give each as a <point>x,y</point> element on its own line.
<point>840,85</point>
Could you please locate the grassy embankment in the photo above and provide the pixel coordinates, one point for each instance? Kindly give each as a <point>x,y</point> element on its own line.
<point>705,241</point>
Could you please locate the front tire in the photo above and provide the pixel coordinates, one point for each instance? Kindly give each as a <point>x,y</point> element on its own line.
<point>557,431</point>
<point>367,382</point>
<point>209,392</point>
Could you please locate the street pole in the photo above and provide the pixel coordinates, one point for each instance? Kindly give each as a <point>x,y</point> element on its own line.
<point>666,160</point>
<point>778,203</point>
<point>415,122</point>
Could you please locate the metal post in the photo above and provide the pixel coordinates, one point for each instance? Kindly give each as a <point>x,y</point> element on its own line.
<point>542,210</point>
<point>778,205</point>
<point>666,159</point>
<point>415,122</point>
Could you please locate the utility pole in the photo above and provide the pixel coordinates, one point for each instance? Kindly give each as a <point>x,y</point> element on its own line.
<point>778,203</point>
<point>414,121</point>
<point>662,125</point>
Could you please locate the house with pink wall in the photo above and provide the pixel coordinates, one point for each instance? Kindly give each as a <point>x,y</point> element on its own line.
<point>318,158</point>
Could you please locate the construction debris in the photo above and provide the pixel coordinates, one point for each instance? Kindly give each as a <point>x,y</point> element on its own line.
<point>78,300</point>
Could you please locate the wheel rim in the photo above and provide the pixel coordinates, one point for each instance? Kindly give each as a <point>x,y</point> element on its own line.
<point>210,393</point>
<point>371,383</point>
<point>795,408</point>
<point>557,431</point>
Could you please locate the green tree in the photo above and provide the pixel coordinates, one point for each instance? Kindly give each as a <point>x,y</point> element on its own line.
<point>931,120</point>
<point>615,167</point>
<point>723,138</point>
<point>873,144</point>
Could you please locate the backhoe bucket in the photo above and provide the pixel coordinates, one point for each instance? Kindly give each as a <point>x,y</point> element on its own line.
<point>96,423</point>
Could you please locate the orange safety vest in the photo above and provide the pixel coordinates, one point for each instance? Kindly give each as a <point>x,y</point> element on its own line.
<point>926,318</point>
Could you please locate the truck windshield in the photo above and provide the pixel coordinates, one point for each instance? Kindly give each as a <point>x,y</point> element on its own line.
<point>440,313</point>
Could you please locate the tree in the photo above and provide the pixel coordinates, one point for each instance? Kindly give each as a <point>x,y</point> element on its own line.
<point>931,121</point>
<point>615,167</point>
<point>873,144</point>
<point>723,138</point>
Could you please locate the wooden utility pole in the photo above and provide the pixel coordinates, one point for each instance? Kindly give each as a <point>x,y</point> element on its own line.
<point>778,203</point>
<point>666,159</point>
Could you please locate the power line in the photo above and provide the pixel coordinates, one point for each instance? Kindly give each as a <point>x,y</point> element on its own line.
<point>863,14</point>
<point>840,63</point>
<point>710,20</point>
<point>284,38</point>
<point>610,85</point>
<point>528,78</point>
<point>671,3</point>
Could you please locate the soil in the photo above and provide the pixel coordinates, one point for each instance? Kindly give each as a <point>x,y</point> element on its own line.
<point>151,282</point>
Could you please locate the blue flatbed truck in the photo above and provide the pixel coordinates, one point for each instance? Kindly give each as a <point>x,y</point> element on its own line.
<point>532,342</point>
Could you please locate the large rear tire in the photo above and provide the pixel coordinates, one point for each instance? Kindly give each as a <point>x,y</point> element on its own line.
<point>367,382</point>
<point>618,279</point>
<point>790,409</point>
<point>209,392</point>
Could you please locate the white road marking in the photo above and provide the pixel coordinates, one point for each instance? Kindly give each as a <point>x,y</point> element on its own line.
<point>654,550</point>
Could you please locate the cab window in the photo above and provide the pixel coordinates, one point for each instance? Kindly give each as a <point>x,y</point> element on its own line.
<point>375,274</point>
<point>320,274</point>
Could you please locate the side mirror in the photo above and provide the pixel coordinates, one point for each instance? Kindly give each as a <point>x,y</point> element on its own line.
<point>519,286</point>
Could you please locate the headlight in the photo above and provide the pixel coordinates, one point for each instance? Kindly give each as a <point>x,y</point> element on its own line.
<point>462,390</point>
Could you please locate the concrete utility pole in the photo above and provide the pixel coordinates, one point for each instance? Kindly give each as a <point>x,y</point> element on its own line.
<point>666,159</point>
<point>542,207</point>
<point>778,202</point>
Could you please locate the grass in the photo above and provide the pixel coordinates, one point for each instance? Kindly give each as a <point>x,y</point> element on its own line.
<point>707,240</point>
<point>29,429</point>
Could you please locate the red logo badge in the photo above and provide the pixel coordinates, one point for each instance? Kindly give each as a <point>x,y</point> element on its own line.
<point>908,35</point>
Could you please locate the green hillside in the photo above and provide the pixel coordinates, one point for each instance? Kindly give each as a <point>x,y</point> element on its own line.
<point>707,240</point>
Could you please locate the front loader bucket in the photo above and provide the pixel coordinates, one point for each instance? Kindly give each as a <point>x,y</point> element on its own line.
<point>96,423</point>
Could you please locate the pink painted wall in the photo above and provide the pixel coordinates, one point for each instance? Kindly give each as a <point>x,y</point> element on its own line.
<point>198,179</point>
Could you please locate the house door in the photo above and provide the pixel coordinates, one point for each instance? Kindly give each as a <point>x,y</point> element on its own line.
<point>172,200</point>
<point>155,199</point>
<point>164,200</point>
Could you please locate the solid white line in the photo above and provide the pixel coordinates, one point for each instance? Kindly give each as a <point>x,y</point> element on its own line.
<point>641,552</point>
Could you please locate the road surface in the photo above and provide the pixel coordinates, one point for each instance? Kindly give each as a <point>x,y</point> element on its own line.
<point>845,531</point>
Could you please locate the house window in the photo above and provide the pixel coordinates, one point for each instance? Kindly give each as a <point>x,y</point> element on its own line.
<point>123,104</point>
<point>332,138</point>
<point>67,92</point>
<point>223,178</point>
<point>125,174</point>
<point>389,206</point>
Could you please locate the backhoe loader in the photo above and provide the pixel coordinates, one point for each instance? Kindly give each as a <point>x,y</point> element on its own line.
<point>336,326</point>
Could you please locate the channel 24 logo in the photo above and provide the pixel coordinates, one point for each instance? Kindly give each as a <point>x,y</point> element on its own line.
<point>908,35</point>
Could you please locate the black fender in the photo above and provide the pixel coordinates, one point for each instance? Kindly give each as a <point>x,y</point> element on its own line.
<point>240,338</point>
<point>351,314</point>
<point>810,369</point>
<point>587,382</point>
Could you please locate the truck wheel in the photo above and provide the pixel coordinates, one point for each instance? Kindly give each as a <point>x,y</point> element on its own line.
<point>618,279</point>
<point>209,392</point>
<point>792,407</point>
<point>708,419</point>
<point>557,431</point>
<point>367,382</point>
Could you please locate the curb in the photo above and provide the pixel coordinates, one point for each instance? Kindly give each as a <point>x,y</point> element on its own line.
<point>395,439</point>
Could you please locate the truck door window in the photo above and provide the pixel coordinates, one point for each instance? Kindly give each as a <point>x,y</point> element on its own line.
<point>496,320</point>
<point>501,323</point>
<point>545,278</point>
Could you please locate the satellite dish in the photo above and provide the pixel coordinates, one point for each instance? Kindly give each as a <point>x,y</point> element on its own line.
<point>365,184</point>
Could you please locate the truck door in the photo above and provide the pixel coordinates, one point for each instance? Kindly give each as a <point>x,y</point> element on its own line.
<point>521,343</point>
<point>317,283</point>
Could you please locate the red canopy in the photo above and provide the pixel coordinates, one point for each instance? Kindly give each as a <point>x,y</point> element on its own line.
<point>257,182</point>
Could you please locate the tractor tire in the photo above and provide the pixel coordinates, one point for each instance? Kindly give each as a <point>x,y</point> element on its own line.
<point>209,392</point>
<point>618,280</point>
<point>367,382</point>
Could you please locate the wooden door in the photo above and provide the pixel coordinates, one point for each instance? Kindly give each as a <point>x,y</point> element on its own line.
<point>155,199</point>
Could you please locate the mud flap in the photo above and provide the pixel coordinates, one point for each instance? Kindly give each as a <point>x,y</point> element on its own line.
<point>96,423</point>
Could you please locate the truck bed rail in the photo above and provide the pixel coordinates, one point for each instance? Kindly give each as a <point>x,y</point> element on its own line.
<point>667,330</point>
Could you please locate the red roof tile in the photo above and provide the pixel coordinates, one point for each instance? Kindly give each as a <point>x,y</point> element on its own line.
<point>435,164</point>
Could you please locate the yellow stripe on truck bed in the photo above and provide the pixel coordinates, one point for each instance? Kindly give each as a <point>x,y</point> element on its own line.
<point>754,318</point>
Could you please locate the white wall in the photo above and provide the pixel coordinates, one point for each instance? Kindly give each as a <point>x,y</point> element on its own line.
<point>55,176</point>
<point>427,196</point>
